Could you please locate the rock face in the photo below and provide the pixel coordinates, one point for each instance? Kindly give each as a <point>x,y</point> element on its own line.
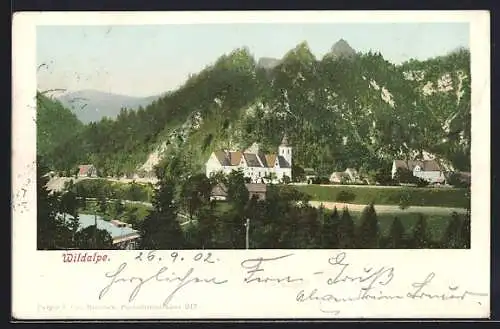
<point>341,49</point>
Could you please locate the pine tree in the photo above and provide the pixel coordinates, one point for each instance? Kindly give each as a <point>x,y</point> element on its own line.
<point>345,233</point>
<point>237,192</point>
<point>52,231</point>
<point>368,233</point>
<point>451,237</point>
<point>420,235</point>
<point>396,234</point>
<point>161,228</point>
<point>330,228</point>
<point>465,233</point>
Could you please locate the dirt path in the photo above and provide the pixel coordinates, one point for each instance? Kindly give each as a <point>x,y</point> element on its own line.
<point>388,208</point>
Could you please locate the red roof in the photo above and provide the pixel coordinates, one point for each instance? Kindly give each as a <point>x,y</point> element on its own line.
<point>84,169</point>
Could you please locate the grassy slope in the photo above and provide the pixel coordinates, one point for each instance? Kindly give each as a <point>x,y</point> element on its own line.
<point>438,197</point>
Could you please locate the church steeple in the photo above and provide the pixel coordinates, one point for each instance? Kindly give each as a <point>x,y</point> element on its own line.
<point>284,141</point>
<point>285,149</point>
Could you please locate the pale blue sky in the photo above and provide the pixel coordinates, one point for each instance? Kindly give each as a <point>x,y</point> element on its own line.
<point>146,60</point>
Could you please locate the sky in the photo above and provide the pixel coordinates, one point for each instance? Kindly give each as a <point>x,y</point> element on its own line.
<point>147,60</point>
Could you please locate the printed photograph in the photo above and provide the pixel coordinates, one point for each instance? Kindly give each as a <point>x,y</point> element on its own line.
<point>253,136</point>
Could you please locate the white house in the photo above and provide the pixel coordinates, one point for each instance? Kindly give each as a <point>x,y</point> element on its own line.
<point>87,171</point>
<point>353,175</point>
<point>428,170</point>
<point>254,163</point>
<point>350,175</point>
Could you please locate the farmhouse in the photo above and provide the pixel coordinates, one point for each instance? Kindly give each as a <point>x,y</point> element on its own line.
<point>258,191</point>
<point>350,175</point>
<point>254,163</point>
<point>310,174</point>
<point>429,170</point>
<point>87,170</point>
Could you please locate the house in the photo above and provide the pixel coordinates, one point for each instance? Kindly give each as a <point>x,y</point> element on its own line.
<point>254,163</point>
<point>350,175</point>
<point>338,177</point>
<point>257,190</point>
<point>219,192</point>
<point>87,170</point>
<point>353,175</point>
<point>310,174</point>
<point>123,235</point>
<point>428,170</point>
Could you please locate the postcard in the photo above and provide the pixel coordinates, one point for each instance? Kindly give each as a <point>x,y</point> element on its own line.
<point>251,165</point>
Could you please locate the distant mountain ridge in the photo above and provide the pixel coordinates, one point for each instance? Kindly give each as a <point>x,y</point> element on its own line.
<point>93,105</point>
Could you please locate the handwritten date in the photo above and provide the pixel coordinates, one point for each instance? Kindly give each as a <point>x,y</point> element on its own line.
<point>175,257</point>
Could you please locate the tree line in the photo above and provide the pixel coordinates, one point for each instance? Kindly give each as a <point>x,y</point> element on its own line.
<point>283,220</point>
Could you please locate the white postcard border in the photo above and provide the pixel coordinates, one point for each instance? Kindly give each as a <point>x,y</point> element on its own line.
<point>45,287</point>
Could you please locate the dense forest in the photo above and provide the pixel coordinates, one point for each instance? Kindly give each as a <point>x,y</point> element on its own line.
<point>338,111</point>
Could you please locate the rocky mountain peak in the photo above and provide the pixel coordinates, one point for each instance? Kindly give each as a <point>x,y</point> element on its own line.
<point>342,49</point>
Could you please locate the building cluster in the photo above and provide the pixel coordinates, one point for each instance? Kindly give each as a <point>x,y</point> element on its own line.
<point>260,167</point>
<point>256,165</point>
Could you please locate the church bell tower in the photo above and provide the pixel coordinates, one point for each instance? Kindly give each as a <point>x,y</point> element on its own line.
<point>285,150</point>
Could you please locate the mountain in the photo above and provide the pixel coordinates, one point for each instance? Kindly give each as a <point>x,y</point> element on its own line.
<point>358,111</point>
<point>341,49</point>
<point>93,105</point>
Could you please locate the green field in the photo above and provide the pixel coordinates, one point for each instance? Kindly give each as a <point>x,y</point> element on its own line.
<point>436,224</point>
<point>415,196</point>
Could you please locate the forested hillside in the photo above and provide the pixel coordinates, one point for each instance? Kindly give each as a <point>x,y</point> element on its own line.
<point>345,109</point>
<point>58,134</point>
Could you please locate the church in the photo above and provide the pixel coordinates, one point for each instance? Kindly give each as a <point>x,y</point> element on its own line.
<point>254,163</point>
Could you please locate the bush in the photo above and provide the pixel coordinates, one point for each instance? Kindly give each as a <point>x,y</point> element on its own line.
<point>454,179</point>
<point>321,180</point>
<point>422,182</point>
<point>404,200</point>
<point>345,196</point>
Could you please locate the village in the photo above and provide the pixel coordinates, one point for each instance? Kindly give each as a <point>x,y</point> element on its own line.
<point>260,170</point>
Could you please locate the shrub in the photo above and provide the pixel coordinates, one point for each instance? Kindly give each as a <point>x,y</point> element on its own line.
<point>321,180</point>
<point>455,179</point>
<point>421,182</point>
<point>404,200</point>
